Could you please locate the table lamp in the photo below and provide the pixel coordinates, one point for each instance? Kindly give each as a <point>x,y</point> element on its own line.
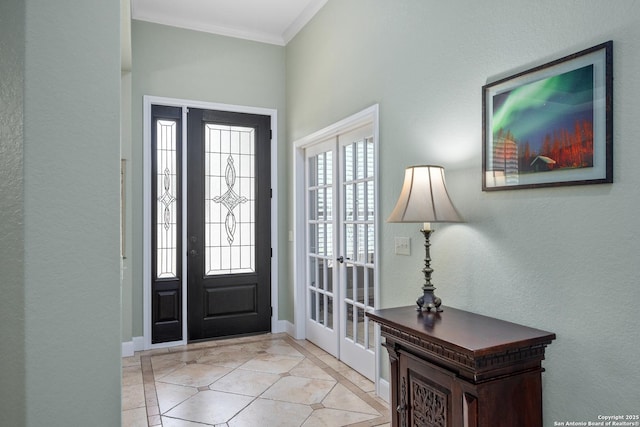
<point>424,198</point>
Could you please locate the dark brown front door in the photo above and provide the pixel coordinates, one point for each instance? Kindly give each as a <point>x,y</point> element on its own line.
<point>228,224</point>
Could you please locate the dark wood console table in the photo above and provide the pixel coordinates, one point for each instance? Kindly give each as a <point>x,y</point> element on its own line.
<point>457,368</point>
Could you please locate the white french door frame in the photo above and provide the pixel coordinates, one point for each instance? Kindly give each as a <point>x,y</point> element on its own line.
<point>148,101</point>
<point>369,116</point>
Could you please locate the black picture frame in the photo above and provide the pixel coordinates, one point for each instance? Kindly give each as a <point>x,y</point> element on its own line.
<point>551,125</point>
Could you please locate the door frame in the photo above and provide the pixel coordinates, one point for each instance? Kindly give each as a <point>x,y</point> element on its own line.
<point>148,100</point>
<point>364,117</point>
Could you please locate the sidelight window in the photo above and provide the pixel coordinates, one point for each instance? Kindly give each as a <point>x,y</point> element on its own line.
<point>166,206</point>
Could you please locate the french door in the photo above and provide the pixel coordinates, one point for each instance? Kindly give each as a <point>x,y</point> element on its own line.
<point>225,208</point>
<point>340,247</point>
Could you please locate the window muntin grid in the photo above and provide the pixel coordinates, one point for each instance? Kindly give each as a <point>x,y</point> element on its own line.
<point>359,235</point>
<point>320,241</point>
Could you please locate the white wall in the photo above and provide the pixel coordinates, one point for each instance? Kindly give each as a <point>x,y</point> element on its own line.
<point>559,259</point>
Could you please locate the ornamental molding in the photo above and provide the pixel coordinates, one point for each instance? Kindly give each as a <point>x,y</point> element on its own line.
<point>467,361</point>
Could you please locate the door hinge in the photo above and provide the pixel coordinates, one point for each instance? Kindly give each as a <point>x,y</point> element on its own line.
<point>270,134</point>
<point>271,311</point>
<point>271,193</point>
<point>271,252</point>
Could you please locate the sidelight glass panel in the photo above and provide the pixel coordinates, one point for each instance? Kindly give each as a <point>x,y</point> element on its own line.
<point>230,229</point>
<point>166,191</point>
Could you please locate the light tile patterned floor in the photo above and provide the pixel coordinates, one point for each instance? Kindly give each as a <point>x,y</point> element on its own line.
<point>261,381</point>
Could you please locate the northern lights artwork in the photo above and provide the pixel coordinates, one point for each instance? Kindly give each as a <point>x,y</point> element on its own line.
<point>550,125</point>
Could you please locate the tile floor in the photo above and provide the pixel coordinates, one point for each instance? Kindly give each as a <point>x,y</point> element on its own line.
<point>261,381</point>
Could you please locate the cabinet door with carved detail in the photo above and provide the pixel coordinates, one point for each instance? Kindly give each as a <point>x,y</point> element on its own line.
<point>427,395</point>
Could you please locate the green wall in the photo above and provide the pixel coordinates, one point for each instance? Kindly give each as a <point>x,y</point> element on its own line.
<point>177,63</point>
<point>560,259</point>
<point>12,322</point>
<point>60,153</point>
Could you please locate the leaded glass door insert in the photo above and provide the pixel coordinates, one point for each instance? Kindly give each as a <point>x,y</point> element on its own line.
<point>229,199</point>
<point>166,188</point>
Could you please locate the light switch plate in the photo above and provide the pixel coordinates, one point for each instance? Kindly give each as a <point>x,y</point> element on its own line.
<point>403,246</point>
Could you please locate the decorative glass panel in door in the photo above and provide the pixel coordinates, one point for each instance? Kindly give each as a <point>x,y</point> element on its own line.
<point>230,199</point>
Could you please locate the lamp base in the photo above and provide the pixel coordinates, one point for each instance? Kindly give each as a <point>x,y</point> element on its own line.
<point>428,300</point>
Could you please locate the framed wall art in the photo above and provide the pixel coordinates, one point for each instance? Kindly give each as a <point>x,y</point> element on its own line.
<point>551,125</point>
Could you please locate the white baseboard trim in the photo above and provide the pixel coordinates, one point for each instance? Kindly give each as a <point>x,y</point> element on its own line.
<point>130,347</point>
<point>138,343</point>
<point>384,390</point>
<point>285,326</point>
<point>127,349</point>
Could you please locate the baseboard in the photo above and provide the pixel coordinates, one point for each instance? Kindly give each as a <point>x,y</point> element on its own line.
<point>384,390</point>
<point>285,326</point>
<point>130,347</point>
<point>127,349</point>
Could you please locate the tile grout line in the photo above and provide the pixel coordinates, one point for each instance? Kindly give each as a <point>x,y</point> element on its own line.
<point>150,395</point>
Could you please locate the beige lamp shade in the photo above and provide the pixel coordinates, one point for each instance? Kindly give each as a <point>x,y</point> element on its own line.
<point>424,197</point>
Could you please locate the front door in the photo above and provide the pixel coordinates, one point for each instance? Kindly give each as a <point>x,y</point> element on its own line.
<point>228,224</point>
<point>208,183</point>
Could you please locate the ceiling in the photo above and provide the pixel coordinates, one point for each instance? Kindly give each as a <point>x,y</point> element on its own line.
<point>267,21</point>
